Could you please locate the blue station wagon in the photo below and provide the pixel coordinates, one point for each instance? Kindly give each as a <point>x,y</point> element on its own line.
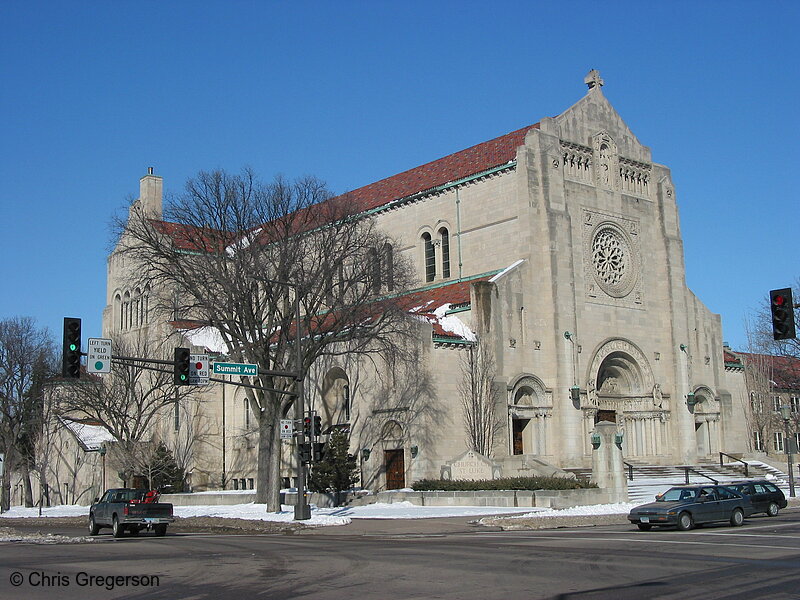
<point>687,506</point>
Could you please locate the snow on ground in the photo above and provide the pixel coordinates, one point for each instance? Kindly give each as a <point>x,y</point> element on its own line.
<point>52,511</point>
<point>620,508</point>
<point>7,534</point>
<point>319,516</point>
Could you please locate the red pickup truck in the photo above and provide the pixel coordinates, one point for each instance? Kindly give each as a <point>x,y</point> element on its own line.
<point>127,509</point>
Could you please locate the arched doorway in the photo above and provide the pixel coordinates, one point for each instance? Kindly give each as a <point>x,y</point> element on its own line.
<point>706,422</point>
<point>621,390</point>
<point>393,456</point>
<point>530,409</point>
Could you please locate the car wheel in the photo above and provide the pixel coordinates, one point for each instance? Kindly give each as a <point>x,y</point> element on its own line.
<point>161,530</point>
<point>93,528</point>
<point>644,526</point>
<point>737,517</point>
<point>772,510</point>
<point>685,521</point>
<point>117,529</point>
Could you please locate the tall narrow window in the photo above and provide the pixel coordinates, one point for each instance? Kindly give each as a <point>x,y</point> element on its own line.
<point>389,258</point>
<point>346,402</point>
<point>176,417</point>
<point>374,270</point>
<point>445,237</point>
<point>778,437</point>
<point>758,443</point>
<point>247,413</point>
<point>430,257</point>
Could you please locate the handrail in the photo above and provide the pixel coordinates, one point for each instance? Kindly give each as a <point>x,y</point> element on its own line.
<point>696,472</point>
<point>746,465</point>
<point>630,470</point>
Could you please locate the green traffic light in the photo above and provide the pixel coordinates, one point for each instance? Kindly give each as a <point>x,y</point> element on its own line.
<point>183,377</point>
<point>73,347</point>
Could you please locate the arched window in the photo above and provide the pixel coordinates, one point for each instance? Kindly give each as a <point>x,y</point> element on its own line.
<point>126,310</point>
<point>430,257</point>
<point>444,235</point>
<point>374,266</point>
<point>118,312</point>
<point>388,256</point>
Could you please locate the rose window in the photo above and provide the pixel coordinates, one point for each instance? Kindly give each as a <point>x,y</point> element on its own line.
<point>612,258</point>
<point>609,257</point>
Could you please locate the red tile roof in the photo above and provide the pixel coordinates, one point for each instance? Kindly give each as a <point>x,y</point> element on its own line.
<point>453,167</point>
<point>471,161</point>
<point>783,370</point>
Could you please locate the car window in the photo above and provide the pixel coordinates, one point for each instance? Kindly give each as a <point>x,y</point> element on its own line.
<point>727,493</point>
<point>106,497</point>
<point>770,487</point>
<point>674,494</point>
<point>760,489</point>
<point>708,493</point>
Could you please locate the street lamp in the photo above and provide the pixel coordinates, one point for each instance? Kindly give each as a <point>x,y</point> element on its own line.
<point>786,413</point>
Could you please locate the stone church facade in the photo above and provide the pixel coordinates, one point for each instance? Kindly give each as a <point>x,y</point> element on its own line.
<point>558,245</point>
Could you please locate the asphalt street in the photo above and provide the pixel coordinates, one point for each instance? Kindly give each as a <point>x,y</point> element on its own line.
<point>759,560</point>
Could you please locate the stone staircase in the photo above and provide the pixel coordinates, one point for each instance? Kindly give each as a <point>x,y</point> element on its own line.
<point>649,480</point>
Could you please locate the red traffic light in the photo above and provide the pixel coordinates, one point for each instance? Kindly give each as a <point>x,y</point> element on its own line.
<point>779,300</point>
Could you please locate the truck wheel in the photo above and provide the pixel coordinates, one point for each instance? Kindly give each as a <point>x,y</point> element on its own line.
<point>772,510</point>
<point>685,521</point>
<point>161,530</point>
<point>117,529</point>
<point>93,527</point>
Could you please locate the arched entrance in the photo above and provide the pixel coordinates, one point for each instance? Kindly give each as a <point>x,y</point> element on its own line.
<point>621,390</point>
<point>393,456</point>
<point>706,422</point>
<point>529,412</point>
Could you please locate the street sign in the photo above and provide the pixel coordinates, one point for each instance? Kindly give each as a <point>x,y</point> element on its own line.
<point>287,429</point>
<point>198,369</point>
<point>98,356</point>
<point>235,369</point>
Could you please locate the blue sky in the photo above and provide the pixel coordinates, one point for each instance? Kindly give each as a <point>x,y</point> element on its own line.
<point>93,93</point>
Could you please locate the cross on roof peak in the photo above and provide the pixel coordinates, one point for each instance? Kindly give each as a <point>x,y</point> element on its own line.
<point>593,79</point>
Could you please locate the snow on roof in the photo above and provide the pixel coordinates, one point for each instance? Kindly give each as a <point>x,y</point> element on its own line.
<point>90,434</point>
<point>508,269</point>
<point>206,337</point>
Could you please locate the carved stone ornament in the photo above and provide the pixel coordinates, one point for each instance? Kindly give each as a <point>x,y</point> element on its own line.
<point>612,259</point>
<point>606,161</point>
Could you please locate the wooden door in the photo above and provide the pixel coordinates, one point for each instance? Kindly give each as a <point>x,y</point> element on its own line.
<point>518,427</point>
<point>394,461</point>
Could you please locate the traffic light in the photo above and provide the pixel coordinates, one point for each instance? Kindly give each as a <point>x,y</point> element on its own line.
<point>71,356</point>
<point>307,425</point>
<point>181,367</point>
<point>317,425</point>
<point>305,453</point>
<point>319,451</point>
<point>780,303</point>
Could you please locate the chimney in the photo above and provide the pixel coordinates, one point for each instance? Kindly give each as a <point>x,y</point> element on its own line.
<point>150,194</point>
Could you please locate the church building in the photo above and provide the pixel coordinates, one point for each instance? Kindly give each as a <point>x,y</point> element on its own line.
<point>558,247</point>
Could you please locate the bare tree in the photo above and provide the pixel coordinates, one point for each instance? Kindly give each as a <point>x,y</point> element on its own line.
<point>128,402</point>
<point>225,247</point>
<point>27,359</point>
<point>479,398</point>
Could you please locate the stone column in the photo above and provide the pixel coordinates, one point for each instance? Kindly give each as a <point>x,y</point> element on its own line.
<point>608,472</point>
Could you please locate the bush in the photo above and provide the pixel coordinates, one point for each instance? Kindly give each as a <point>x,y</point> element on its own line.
<point>505,483</point>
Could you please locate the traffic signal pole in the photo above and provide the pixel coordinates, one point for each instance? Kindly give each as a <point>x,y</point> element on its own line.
<point>302,511</point>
